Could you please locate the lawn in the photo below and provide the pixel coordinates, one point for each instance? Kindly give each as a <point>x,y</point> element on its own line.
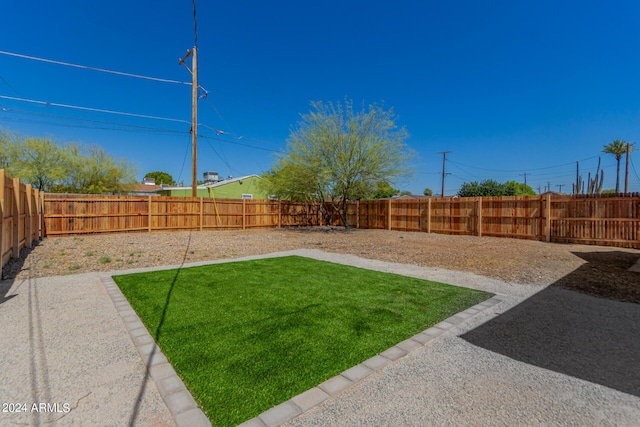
<point>246,336</point>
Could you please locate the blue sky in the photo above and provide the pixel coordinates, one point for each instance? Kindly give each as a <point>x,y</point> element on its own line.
<point>507,86</point>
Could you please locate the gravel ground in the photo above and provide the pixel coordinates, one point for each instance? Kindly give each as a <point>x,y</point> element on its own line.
<point>474,374</point>
<point>596,270</point>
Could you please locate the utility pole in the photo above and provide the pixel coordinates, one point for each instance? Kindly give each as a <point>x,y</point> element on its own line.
<point>577,177</point>
<point>444,163</point>
<point>548,186</point>
<point>194,117</point>
<point>525,177</point>
<point>559,187</point>
<point>539,190</point>
<point>626,170</point>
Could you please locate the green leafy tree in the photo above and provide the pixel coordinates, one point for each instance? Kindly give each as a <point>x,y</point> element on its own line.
<point>520,189</point>
<point>617,148</point>
<point>428,192</point>
<point>161,177</point>
<point>6,140</point>
<point>384,190</point>
<point>289,181</point>
<point>488,187</point>
<point>337,153</point>
<point>53,167</point>
<point>96,172</point>
<point>38,161</point>
<point>93,171</point>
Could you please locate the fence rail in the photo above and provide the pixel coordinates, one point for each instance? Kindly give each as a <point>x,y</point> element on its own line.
<point>613,221</point>
<point>610,221</point>
<point>21,214</point>
<point>81,214</point>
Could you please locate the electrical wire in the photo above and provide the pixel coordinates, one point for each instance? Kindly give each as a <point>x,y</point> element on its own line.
<point>9,86</point>
<point>97,110</point>
<point>230,129</point>
<point>195,27</point>
<point>634,170</point>
<point>518,170</point>
<point>57,116</point>
<point>184,160</point>
<point>77,126</point>
<point>239,143</point>
<point>102,70</point>
<point>142,128</point>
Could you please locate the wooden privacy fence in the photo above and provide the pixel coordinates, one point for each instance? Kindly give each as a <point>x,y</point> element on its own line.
<point>67,214</point>
<point>611,221</point>
<point>20,210</point>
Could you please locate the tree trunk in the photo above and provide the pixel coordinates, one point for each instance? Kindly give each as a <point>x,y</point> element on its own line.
<point>345,220</point>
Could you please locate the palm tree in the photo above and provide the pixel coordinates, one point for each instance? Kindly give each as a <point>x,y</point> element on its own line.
<point>617,148</point>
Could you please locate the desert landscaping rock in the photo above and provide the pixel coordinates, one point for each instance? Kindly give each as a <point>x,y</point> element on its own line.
<point>510,260</point>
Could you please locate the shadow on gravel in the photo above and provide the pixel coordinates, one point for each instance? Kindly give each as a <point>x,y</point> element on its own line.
<point>15,265</point>
<point>567,331</point>
<point>156,336</point>
<point>4,289</point>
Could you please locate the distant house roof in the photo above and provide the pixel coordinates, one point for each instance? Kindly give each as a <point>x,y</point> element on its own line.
<point>141,189</point>
<point>406,196</point>
<point>214,185</point>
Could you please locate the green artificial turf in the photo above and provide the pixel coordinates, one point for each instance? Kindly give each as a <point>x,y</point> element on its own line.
<point>246,336</point>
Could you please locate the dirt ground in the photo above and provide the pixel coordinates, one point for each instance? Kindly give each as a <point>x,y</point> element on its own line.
<point>597,270</point>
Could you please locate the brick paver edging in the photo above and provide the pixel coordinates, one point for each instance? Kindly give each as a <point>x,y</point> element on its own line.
<point>186,412</point>
<point>179,401</point>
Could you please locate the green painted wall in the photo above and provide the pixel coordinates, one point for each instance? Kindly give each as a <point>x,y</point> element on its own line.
<point>231,190</point>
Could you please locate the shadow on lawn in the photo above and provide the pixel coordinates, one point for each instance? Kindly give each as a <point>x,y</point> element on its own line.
<point>156,337</point>
<point>565,330</point>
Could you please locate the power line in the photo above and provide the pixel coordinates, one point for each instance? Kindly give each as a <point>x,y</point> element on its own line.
<point>185,159</point>
<point>142,128</point>
<point>239,143</point>
<point>97,110</point>
<point>57,116</point>
<point>77,126</point>
<point>634,170</point>
<point>518,170</point>
<point>9,86</point>
<point>86,67</point>
<point>195,26</point>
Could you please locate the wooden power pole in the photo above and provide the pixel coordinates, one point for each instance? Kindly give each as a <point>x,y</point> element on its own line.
<point>444,164</point>
<point>194,117</point>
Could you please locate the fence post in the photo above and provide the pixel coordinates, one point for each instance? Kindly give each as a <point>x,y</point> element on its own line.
<point>27,218</point>
<point>357,213</point>
<point>36,198</point>
<point>429,215</point>
<point>279,213</point>
<point>244,202</point>
<point>547,215</point>
<point>43,230</point>
<point>479,212</point>
<point>389,214</point>
<point>201,206</point>
<point>149,215</point>
<point>16,218</point>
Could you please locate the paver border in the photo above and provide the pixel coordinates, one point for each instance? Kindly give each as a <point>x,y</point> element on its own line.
<point>174,393</point>
<point>183,406</point>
